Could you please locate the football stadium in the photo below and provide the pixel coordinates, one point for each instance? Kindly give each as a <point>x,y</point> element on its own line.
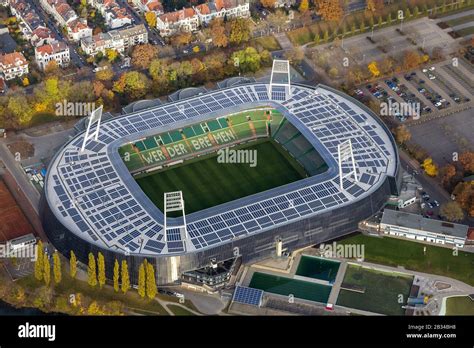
<point>201,184</point>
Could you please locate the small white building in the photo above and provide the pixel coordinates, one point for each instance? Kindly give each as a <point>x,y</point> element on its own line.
<point>416,227</point>
<point>13,65</point>
<point>57,51</point>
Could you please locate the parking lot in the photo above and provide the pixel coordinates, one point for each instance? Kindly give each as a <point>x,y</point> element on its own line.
<point>426,93</point>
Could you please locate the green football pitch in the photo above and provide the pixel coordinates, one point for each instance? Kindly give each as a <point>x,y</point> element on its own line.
<point>206,183</point>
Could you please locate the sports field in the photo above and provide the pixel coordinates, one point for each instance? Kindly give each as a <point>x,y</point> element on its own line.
<point>374,291</point>
<point>286,286</point>
<point>205,182</point>
<point>436,260</point>
<point>318,268</point>
<point>459,305</point>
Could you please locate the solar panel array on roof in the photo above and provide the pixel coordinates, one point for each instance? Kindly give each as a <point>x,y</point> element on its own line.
<point>249,296</point>
<point>101,204</point>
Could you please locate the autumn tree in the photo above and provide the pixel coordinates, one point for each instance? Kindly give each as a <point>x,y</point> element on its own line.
<point>402,134</point>
<point>181,38</point>
<point>116,275</point>
<point>411,59</point>
<point>295,55</point>
<point>46,270</point>
<point>101,269</point>
<point>239,31</point>
<point>268,3</point>
<point>57,268</point>
<point>20,109</point>
<point>133,85</point>
<point>142,55</point>
<point>111,55</point>
<point>464,193</point>
<point>39,263</point>
<point>142,281</point>
<point>431,169</point>
<point>125,277</point>
<point>447,173</point>
<point>374,69</point>
<point>150,281</point>
<point>106,73</point>
<point>247,59</point>
<point>451,211</point>
<point>218,33</point>
<point>329,10</point>
<point>304,6</point>
<point>467,161</point>
<point>52,68</point>
<point>73,265</point>
<point>374,6</point>
<point>150,18</point>
<point>92,271</point>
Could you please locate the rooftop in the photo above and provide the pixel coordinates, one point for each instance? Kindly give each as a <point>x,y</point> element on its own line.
<point>418,222</point>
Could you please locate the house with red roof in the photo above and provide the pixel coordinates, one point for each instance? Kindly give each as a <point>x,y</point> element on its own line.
<point>13,65</point>
<point>57,51</point>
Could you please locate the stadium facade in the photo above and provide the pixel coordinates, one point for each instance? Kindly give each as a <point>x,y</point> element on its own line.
<point>91,202</point>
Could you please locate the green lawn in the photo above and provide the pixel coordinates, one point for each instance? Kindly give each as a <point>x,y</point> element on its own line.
<point>206,183</point>
<point>460,20</point>
<point>466,31</point>
<point>396,252</point>
<point>267,42</point>
<point>381,290</point>
<point>459,305</point>
<point>177,310</point>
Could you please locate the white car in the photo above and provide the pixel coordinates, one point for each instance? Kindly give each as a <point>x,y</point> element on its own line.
<point>432,68</point>
<point>425,70</point>
<point>431,77</point>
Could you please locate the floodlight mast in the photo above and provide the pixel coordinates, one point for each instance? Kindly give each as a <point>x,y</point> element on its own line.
<point>344,152</point>
<point>281,67</point>
<point>95,117</point>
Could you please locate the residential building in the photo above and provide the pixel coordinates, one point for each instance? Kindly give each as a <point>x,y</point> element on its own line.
<point>118,39</point>
<point>57,51</point>
<point>173,22</point>
<point>42,36</point>
<point>114,15</point>
<point>67,18</point>
<point>30,22</point>
<point>189,19</point>
<point>78,30</point>
<point>416,227</point>
<point>149,6</point>
<point>13,65</point>
<point>222,8</point>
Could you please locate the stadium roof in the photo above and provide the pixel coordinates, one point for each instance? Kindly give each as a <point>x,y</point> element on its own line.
<point>93,194</point>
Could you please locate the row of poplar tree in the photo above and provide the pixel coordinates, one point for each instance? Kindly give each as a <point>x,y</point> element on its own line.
<point>96,272</point>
